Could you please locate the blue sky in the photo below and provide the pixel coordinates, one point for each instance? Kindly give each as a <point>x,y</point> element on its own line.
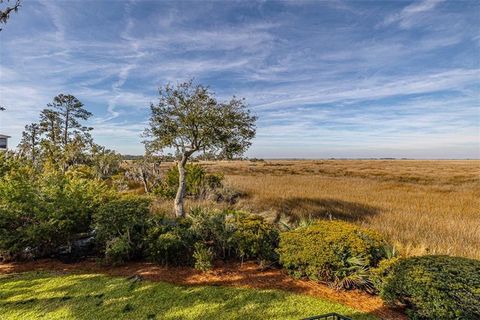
<point>326,79</point>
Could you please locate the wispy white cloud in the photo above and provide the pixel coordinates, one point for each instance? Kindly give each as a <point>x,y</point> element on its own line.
<point>367,89</point>
<point>319,75</point>
<point>412,14</point>
<point>56,16</point>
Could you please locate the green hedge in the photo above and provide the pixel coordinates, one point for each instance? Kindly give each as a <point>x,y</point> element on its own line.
<point>226,235</point>
<point>337,252</point>
<point>170,241</point>
<point>41,212</point>
<point>120,227</point>
<point>435,287</point>
<point>253,238</point>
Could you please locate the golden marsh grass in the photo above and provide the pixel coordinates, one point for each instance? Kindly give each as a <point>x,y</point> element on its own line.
<point>422,206</point>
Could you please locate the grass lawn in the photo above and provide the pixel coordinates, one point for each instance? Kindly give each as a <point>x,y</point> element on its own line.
<point>41,295</point>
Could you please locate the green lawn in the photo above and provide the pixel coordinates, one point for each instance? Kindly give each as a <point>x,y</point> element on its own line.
<point>40,295</point>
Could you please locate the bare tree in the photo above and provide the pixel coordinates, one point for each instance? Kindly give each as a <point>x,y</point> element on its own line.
<point>189,119</point>
<point>145,171</point>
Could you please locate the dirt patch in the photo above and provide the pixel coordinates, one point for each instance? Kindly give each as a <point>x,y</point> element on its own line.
<point>247,275</point>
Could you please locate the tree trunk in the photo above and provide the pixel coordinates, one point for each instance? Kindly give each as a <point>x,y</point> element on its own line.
<point>34,144</point>
<point>179,209</point>
<point>65,134</point>
<point>144,180</point>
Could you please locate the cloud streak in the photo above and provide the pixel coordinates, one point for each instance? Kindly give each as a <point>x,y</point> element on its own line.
<point>412,14</point>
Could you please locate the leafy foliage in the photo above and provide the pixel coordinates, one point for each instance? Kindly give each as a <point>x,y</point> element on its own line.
<point>70,112</point>
<point>40,212</point>
<point>253,238</point>
<point>353,273</point>
<point>199,184</point>
<point>118,250</point>
<point>332,251</point>
<point>9,161</point>
<point>226,235</point>
<point>145,171</point>
<point>435,287</point>
<point>105,162</point>
<point>379,274</point>
<point>120,227</point>
<point>211,227</point>
<point>189,119</point>
<point>203,256</point>
<point>170,241</point>
<point>61,139</point>
<point>29,146</point>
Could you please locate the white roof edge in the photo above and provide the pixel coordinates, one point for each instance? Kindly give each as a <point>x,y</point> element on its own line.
<point>4,136</point>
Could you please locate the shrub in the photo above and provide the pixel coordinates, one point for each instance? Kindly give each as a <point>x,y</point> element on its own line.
<point>118,250</point>
<point>9,162</point>
<point>224,234</point>
<point>253,237</point>
<point>170,242</point>
<point>203,257</point>
<point>225,194</point>
<point>435,287</point>
<point>353,273</point>
<point>199,184</point>
<point>332,251</point>
<point>235,234</point>
<point>126,219</point>
<point>379,274</point>
<point>41,212</point>
<point>210,227</point>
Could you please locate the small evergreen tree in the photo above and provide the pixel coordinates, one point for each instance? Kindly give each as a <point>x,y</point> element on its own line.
<point>189,119</point>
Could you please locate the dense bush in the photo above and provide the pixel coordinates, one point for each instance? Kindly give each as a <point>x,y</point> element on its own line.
<point>170,241</point>
<point>210,227</point>
<point>203,256</point>
<point>234,234</point>
<point>253,238</point>
<point>224,234</point>
<point>41,212</point>
<point>379,274</point>
<point>120,227</point>
<point>199,184</point>
<point>332,251</point>
<point>435,287</point>
<point>118,250</point>
<point>10,162</point>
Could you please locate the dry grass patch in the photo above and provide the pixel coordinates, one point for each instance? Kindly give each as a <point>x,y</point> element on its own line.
<point>422,206</point>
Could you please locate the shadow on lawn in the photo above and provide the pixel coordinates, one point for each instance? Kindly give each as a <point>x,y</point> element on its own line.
<point>98,297</point>
<point>297,207</point>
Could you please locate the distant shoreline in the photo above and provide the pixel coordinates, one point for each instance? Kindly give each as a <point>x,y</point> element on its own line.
<point>133,157</point>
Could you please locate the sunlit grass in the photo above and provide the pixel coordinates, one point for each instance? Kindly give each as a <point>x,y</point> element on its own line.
<point>91,296</point>
<point>422,206</point>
